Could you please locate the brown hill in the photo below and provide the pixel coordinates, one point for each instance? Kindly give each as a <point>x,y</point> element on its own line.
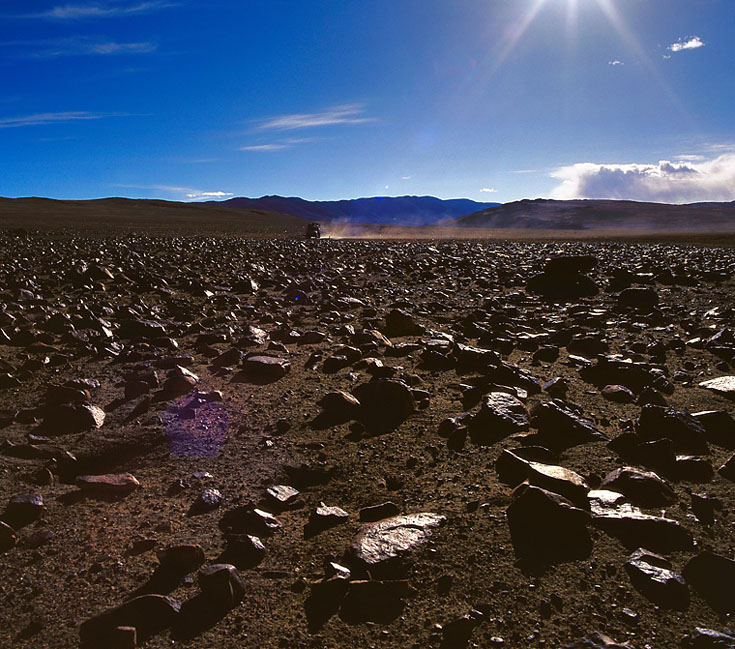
<point>120,215</point>
<point>604,215</point>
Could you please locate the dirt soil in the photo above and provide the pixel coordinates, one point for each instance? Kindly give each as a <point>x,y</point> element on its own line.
<point>71,307</point>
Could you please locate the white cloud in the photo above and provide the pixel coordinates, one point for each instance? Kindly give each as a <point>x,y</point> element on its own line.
<point>405,177</point>
<point>665,182</point>
<point>199,196</point>
<point>40,119</point>
<point>615,62</point>
<point>689,43</point>
<point>101,10</point>
<point>188,193</point>
<point>489,190</point>
<point>346,114</point>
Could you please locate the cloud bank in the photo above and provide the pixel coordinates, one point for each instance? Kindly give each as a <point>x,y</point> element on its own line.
<point>665,182</point>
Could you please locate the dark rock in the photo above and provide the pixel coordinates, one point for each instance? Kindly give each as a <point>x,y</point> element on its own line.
<point>559,427</point>
<point>207,500</point>
<point>23,509</point>
<point>546,527</point>
<point>457,633</point>
<point>713,576</point>
<point>400,323</point>
<point>687,434</point>
<point>73,418</point>
<point>643,488</point>
<point>501,415</point>
<point>222,583</point>
<point>248,519</point>
<point>719,427</point>
<point>513,470</point>
<point>340,405</point>
<point>691,468</point>
<point>379,512</point>
<point>570,264</point>
<point>618,394</point>
<point>652,576</point>
<point>181,559</point>
<point>8,538</point>
<point>179,381</point>
<point>243,550</point>
<point>385,403</point>
<point>727,470</point>
<point>643,299</point>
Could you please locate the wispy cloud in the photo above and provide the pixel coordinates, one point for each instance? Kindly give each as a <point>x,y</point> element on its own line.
<point>667,182</point>
<point>40,119</point>
<point>265,148</point>
<point>688,43</point>
<point>76,46</point>
<point>489,190</point>
<point>345,114</point>
<point>615,62</point>
<point>280,145</point>
<point>100,10</point>
<point>183,193</point>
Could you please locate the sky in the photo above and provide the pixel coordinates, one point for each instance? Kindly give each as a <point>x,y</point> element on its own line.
<point>493,100</point>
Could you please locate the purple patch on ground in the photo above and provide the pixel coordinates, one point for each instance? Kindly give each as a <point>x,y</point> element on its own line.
<point>196,428</point>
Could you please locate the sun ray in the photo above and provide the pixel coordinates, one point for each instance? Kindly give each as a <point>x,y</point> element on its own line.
<point>512,39</point>
<point>628,37</point>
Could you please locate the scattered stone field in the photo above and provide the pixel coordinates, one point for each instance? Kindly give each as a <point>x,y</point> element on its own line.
<point>241,442</point>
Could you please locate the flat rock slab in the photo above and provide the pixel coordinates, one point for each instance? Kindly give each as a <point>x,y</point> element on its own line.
<point>724,385</point>
<point>380,545</point>
<point>266,367</point>
<point>634,529</point>
<point>597,641</point>
<point>109,484</point>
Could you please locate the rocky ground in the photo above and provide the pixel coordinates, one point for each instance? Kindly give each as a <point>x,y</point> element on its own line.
<point>220,442</point>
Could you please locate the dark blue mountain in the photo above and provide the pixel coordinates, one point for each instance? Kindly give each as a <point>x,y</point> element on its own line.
<point>401,210</point>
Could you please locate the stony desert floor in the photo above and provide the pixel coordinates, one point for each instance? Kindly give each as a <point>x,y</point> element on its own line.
<point>252,402</point>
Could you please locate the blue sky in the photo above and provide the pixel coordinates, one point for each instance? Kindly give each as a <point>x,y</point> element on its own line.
<point>493,100</point>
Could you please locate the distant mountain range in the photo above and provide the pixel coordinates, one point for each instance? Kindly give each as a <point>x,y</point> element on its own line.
<point>400,210</point>
<point>542,214</point>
